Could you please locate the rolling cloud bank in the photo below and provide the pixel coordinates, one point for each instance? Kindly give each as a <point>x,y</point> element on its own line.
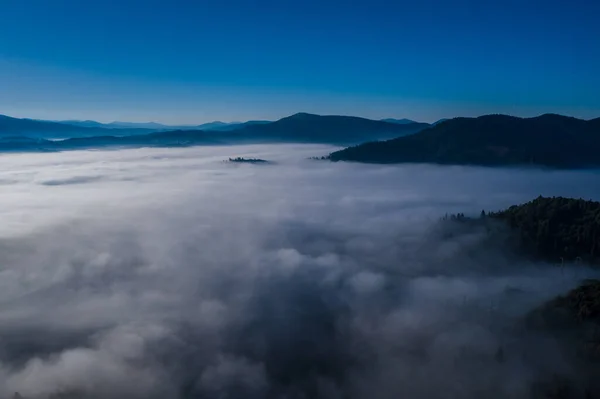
<point>168,273</point>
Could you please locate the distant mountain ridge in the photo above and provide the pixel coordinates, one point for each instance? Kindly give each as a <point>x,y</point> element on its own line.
<point>333,129</point>
<point>32,128</point>
<point>299,118</point>
<point>140,125</point>
<point>86,123</point>
<point>402,121</point>
<point>120,125</point>
<point>492,140</point>
<point>154,126</point>
<point>300,128</point>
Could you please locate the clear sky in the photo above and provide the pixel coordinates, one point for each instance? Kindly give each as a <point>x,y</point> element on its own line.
<point>177,61</point>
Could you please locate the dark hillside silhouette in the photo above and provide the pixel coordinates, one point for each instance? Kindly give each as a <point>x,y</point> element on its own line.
<point>493,140</point>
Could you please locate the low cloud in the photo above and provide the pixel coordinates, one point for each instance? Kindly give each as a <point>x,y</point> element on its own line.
<point>71,180</point>
<point>171,274</point>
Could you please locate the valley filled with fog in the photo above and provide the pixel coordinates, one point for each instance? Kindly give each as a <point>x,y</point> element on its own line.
<point>170,273</point>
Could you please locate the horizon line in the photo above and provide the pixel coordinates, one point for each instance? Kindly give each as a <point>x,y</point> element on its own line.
<point>66,121</point>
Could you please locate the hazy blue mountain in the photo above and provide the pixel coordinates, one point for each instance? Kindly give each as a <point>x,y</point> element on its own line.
<point>403,121</point>
<point>300,128</point>
<point>153,126</point>
<point>216,125</point>
<point>176,138</point>
<point>332,129</point>
<point>491,140</point>
<point>11,127</point>
<point>139,125</point>
<point>123,125</point>
<point>440,121</point>
<point>233,125</point>
<point>87,123</point>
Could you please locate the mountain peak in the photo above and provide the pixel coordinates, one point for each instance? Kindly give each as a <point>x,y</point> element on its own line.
<point>403,121</point>
<point>555,117</point>
<point>302,115</point>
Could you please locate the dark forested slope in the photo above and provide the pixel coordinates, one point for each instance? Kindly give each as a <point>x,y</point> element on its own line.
<point>491,140</point>
<point>557,228</point>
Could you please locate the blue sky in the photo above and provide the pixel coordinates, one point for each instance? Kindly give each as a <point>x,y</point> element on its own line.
<point>195,61</point>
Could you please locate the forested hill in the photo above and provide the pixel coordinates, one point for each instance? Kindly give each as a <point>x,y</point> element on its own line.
<point>492,140</point>
<point>557,228</point>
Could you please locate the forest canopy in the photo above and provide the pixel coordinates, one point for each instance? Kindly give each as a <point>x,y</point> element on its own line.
<point>557,228</point>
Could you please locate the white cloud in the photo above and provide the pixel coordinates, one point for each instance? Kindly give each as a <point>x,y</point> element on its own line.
<point>167,273</point>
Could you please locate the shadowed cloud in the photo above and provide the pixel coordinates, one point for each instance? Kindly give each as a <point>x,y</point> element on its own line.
<point>172,274</point>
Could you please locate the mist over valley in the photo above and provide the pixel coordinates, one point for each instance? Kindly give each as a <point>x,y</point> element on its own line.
<point>168,273</point>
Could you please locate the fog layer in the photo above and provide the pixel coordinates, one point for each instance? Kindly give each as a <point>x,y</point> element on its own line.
<point>168,273</point>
